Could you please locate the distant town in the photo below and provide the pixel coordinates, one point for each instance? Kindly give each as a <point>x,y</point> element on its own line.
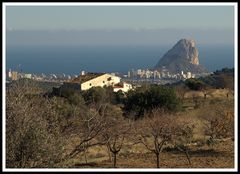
<point>162,76</point>
<point>16,75</point>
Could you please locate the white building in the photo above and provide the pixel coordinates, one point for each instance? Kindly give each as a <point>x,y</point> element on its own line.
<point>89,80</point>
<point>10,73</point>
<point>129,74</point>
<point>28,76</point>
<point>189,75</point>
<point>139,72</point>
<point>156,75</point>
<point>14,75</point>
<point>123,86</point>
<point>163,74</point>
<point>148,74</point>
<point>82,72</point>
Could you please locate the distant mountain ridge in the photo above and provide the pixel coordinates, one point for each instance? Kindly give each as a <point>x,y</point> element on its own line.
<point>182,57</point>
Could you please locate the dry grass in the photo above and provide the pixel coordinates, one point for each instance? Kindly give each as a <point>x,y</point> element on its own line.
<point>202,156</point>
<point>221,157</point>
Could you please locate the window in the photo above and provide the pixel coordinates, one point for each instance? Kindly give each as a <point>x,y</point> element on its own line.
<point>90,84</point>
<point>109,78</point>
<point>103,81</point>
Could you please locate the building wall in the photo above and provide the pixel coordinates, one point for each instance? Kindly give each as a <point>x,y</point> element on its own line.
<point>14,75</point>
<point>126,87</point>
<point>28,76</point>
<point>106,79</point>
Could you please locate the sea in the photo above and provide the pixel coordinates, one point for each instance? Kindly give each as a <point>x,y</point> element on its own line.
<point>72,59</point>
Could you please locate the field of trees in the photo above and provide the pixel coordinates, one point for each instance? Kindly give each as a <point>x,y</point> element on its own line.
<point>188,125</point>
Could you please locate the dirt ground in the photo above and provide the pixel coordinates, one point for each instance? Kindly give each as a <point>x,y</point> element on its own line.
<point>201,157</point>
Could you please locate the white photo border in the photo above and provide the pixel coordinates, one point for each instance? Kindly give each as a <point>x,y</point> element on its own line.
<point>4,5</point>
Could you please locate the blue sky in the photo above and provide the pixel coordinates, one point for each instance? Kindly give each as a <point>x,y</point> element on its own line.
<point>115,17</point>
<point>119,24</point>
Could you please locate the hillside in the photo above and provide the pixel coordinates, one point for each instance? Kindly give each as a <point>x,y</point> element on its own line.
<point>219,79</point>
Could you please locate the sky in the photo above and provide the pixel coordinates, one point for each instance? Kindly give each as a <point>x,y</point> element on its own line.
<point>115,17</point>
<point>119,24</point>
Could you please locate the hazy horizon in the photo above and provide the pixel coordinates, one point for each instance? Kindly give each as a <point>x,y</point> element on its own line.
<point>119,24</point>
<point>117,37</point>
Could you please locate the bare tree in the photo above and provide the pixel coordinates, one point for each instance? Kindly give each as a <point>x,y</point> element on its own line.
<point>31,131</point>
<point>219,124</point>
<point>114,144</point>
<point>155,131</point>
<point>183,136</point>
<point>87,129</point>
<point>181,91</point>
<point>115,131</point>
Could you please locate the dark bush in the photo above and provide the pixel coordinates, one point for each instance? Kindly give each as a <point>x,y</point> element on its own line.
<point>140,101</point>
<point>195,84</point>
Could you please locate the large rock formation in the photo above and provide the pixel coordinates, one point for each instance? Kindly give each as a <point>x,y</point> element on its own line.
<point>182,57</point>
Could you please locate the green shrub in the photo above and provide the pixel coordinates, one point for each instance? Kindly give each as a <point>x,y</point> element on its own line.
<point>140,101</point>
<point>195,84</point>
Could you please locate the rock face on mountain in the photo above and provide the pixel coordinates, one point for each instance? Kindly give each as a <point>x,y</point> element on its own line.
<point>182,57</point>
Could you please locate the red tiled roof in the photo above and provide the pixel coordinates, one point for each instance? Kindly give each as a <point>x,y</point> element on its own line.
<point>85,78</point>
<point>118,85</point>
